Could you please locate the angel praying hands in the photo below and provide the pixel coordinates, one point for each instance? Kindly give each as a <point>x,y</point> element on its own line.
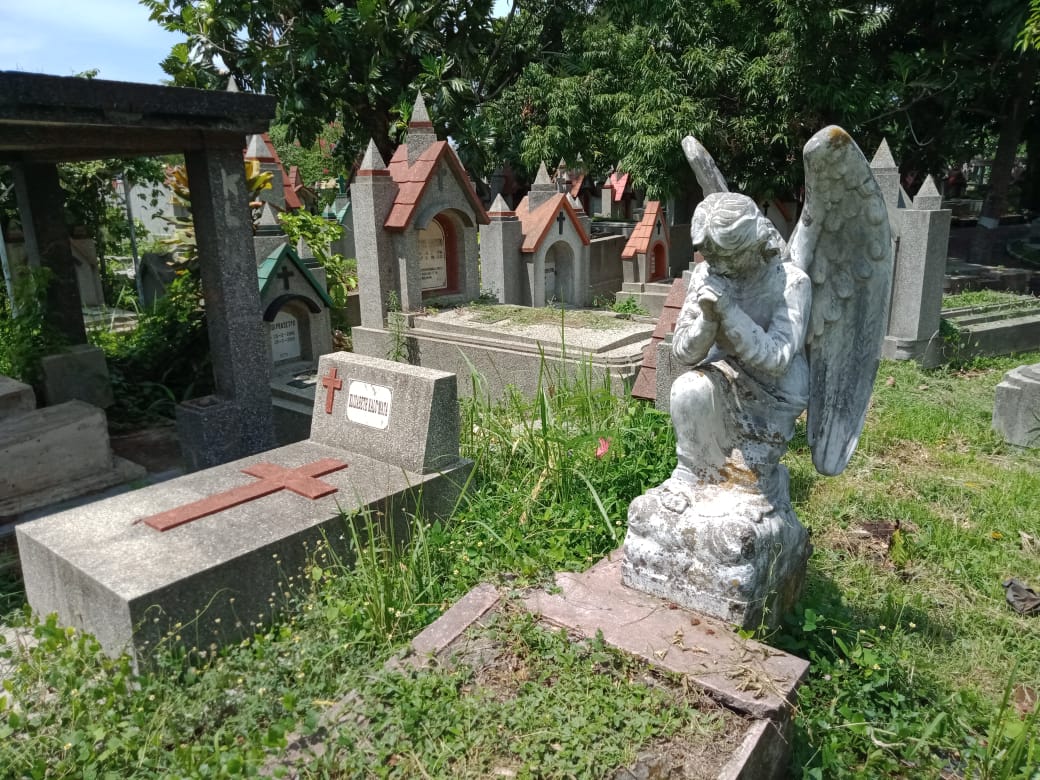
<point>769,330</point>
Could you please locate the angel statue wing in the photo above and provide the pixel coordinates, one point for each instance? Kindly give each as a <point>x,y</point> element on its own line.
<point>843,241</point>
<point>704,168</point>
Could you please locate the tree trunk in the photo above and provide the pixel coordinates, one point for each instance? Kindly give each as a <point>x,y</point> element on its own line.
<point>1012,123</point>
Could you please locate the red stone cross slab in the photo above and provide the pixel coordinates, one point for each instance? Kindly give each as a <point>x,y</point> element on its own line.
<point>272,479</point>
<point>332,383</point>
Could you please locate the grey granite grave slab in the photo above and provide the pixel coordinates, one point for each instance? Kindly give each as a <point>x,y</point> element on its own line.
<point>1016,406</point>
<point>55,453</point>
<point>508,354</point>
<point>213,579</point>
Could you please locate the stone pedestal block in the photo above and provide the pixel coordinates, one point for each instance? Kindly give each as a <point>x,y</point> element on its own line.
<point>79,373</point>
<point>15,397</point>
<point>1016,407</point>
<point>208,430</point>
<point>721,549</point>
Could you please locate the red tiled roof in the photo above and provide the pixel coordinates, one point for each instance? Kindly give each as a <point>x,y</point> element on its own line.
<point>645,385</point>
<point>619,182</point>
<point>639,242</point>
<point>576,184</point>
<point>535,224</point>
<point>413,180</point>
<point>291,185</point>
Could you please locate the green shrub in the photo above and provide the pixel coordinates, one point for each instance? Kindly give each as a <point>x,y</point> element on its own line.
<point>164,360</point>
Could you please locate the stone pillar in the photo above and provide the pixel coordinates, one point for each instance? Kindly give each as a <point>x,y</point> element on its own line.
<point>41,205</point>
<point>372,196</point>
<point>542,189</point>
<point>917,284</point>
<point>500,242</point>
<point>238,420</point>
<point>886,172</point>
<point>606,206</point>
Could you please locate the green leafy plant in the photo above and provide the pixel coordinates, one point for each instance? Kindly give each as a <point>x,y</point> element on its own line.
<point>27,337</point>
<point>319,234</point>
<point>397,349</point>
<point>183,243</point>
<point>164,360</point>
<point>629,305</point>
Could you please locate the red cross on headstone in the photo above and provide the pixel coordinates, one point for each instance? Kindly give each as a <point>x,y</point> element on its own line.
<point>332,383</point>
<point>272,479</point>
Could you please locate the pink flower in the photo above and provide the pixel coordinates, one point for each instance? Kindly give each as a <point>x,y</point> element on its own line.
<point>604,445</point>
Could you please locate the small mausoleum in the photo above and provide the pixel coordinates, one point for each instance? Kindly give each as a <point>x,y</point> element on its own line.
<point>415,225</point>
<point>538,254</point>
<point>645,256</point>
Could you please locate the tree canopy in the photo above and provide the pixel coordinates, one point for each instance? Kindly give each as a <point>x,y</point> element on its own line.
<point>619,82</point>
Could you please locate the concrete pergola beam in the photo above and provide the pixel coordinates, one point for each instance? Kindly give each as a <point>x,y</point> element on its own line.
<point>45,120</point>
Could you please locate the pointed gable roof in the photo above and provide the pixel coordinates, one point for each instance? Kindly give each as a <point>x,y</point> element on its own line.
<point>535,224</point>
<point>642,237</point>
<point>265,272</point>
<point>412,181</point>
<point>620,183</point>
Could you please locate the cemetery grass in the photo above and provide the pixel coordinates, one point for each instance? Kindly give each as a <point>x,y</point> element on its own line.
<point>919,669</point>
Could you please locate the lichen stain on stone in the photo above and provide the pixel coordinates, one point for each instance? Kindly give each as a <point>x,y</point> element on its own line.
<point>737,475</point>
<point>838,137</point>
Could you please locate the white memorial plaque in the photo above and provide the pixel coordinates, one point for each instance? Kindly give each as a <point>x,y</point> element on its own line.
<point>433,262</point>
<point>368,404</point>
<point>285,337</point>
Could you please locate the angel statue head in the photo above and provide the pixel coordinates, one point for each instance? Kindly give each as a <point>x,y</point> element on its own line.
<point>733,235</point>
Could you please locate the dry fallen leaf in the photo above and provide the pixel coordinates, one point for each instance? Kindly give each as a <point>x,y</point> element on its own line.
<point>1030,544</point>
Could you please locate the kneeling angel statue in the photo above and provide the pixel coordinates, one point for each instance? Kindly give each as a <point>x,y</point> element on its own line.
<point>769,330</point>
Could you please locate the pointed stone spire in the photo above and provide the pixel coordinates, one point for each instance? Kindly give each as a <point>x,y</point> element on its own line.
<point>542,190</point>
<point>883,161</point>
<point>257,149</point>
<point>928,197</point>
<point>269,218</point>
<point>886,173</point>
<point>303,251</point>
<point>420,116</point>
<point>232,85</point>
<point>420,130</point>
<point>499,208</point>
<point>373,160</point>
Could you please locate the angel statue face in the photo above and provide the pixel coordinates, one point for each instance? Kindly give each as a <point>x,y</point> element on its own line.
<point>734,237</point>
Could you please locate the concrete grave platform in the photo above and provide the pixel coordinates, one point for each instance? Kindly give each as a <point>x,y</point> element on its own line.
<point>209,555</point>
<point>509,353</point>
<point>755,681</point>
<point>749,678</point>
